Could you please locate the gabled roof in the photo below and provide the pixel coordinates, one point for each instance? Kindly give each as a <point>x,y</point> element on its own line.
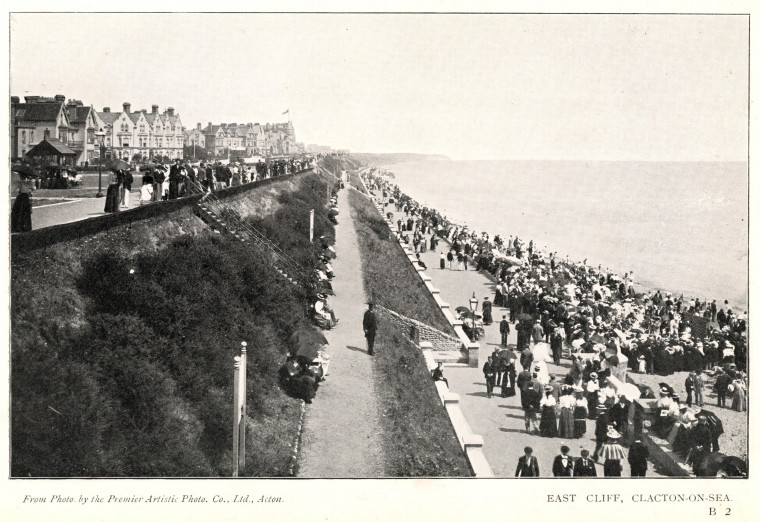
<point>151,117</point>
<point>109,117</point>
<point>51,147</point>
<point>39,111</point>
<point>134,116</point>
<point>78,114</point>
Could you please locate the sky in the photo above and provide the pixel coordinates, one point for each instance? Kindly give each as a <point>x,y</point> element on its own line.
<point>477,86</point>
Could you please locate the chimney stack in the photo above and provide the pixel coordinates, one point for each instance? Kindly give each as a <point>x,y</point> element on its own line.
<point>127,106</point>
<point>154,109</point>
<point>106,109</point>
<point>199,126</point>
<point>14,100</point>
<point>170,110</point>
<point>60,98</point>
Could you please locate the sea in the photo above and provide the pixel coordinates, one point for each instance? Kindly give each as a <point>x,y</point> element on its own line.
<point>680,226</point>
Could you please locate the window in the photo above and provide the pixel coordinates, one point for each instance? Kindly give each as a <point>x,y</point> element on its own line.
<point>23,137</point>
<point>142,127</point>
<point>124,127</point>
<point>31,136</point>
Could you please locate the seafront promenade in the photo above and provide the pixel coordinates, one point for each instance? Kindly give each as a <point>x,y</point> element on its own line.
<point>498,420</point>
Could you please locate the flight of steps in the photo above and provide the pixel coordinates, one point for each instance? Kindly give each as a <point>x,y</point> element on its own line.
<point>220,226</point>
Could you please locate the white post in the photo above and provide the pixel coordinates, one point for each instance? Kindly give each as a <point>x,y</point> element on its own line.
<point>235,416</point>
<point>243,400</point>
<point>311,226</point>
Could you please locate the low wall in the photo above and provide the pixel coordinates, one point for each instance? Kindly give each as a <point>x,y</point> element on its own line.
<point>471,444</point>
<point>43,237</point>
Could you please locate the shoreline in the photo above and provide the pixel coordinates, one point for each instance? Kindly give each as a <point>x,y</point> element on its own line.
<point>738,305</point>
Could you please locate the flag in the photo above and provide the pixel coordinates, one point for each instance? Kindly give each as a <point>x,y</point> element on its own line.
<point>287,112</point>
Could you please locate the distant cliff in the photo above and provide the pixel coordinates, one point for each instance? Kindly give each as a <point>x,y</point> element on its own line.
<point>401,157</point>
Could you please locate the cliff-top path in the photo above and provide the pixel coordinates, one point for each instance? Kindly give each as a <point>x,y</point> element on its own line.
<point>341,433</point>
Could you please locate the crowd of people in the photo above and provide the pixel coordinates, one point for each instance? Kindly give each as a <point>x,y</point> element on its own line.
<point>605,324</point>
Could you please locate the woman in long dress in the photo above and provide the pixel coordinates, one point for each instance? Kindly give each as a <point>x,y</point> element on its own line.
<point>548,425</point>
<point>579,414</point>
<point>612,453</point>
<point>566,414</point>
<point>739,402</point>
<point>113,196</point>
<point>21,212</point>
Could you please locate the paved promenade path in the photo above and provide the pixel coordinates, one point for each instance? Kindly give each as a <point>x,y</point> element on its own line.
<point>341,435</point>
<point>498,420</point>
<point>76,209</point>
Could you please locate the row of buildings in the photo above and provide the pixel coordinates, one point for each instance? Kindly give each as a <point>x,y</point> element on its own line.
<point>75,129</point>
<point>245,139</point>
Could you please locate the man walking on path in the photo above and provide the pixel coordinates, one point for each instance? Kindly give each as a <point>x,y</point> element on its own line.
<point>637,458</point>
<point>538,333</point>
<point>721,386</point>
<point>370,328</point>
<point>504,330</point>
<point>490,372</point>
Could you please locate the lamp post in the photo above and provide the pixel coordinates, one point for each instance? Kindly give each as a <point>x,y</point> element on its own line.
<point>473,303</point>
<point>473,309</point>
<point>100,136</point>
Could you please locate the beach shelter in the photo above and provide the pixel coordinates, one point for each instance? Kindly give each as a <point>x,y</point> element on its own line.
<point>51,151</point>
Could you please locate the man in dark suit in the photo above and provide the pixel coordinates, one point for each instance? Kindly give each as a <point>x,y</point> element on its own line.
<point>504,330</point>
<point>489,370</point>
<point>526,358</point>
<point>721,386</point>
<point>370,328</point>
<point>523,381</point>
<point>637,458</point>
<point>563,463</point>
<point>527,465</point>
<point>584,466</point>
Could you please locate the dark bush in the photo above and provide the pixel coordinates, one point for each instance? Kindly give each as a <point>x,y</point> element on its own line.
<point>126,369</point>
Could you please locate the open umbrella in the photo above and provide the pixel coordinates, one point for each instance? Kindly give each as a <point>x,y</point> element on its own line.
<point>24,170</point>
<point>148,166</point>
<point>507,355</point>
<point>462,309</point>
<point>629,391</point>
<point>117,164</point>
<point>306,342</point>
<point>325,287</point>
<point>467,314</point>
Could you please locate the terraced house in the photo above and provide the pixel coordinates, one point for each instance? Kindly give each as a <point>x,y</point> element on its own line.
<point>141,135</point>
<point>249,139</point>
